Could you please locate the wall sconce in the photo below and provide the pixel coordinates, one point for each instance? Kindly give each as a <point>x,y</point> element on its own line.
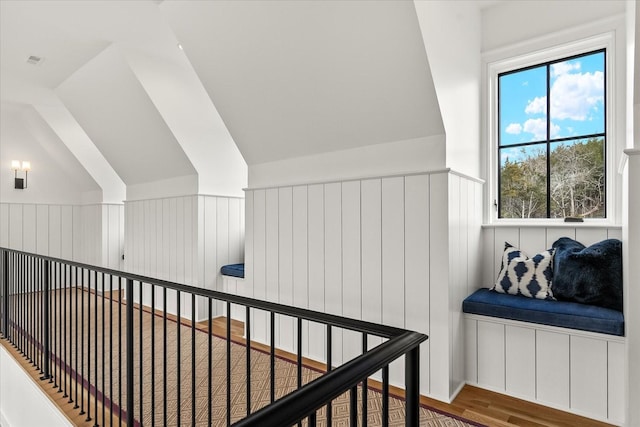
<point>26,167</point>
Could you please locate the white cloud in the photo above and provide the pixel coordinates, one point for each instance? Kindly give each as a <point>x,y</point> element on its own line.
<point>538,127</point>
<point>514,128</point>
<point>575,96</point>
<point>563,68</point>
<point>538,105</point>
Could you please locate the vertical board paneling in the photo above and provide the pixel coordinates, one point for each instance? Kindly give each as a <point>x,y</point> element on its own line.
<point>439,286</point>
<point>271,250</point>
<point>351,265</point>
<point>589,236</point>
<point>15,226</point>
<point>588,385</point>
<point>458,265</point>
<point>371,250</point>
<point>532,241</point>
<point>259,322</point>
<point>210,245</point>
<point>172,220</point>
<point>615,382</point>
<point>55,229</point>
<point>29,225</point>
<point>285,264</point>
<point>502,236</point>
<point>66,229</point>
<point>78,241</point>
<point>181,225</point>
<point>333,261</point>
<point>188,240</point>
<point>471,350</point>
<point>554,234</point>
<point>488,257</point>
<point>316,268</point>
<point>166,240</point>
<point>520,369</point>
<point>614,233</point>
<point>235,231</point>
<point>42,224</point>
<point>393,251</point>
<point>248,244</point>
<point>300,257</point>
<point>4,225</point>
<point>552,380</point>
<point>491,355</point>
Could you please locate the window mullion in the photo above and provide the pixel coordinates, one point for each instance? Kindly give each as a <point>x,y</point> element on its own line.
<point>548,141</point>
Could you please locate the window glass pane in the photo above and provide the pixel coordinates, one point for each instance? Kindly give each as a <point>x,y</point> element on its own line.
<point>577,178</point>
<point>523,106</point>
<point>577,96</point>
<point>523,182</point>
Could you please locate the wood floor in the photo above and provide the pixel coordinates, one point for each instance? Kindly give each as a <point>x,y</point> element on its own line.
<point>482,406</point>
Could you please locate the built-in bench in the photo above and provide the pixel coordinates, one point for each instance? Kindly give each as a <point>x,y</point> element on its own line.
<point>561,354</point>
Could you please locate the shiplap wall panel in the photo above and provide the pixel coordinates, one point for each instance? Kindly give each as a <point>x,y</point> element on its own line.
<point>182,223</point>
<point>15,226</point>
<point>333,262</point>
<point>616,382</point>
<point>532,241</point>
<point>552,379</point>
<point>588,385</point>
<point>4,225</point>
<point>589,236</point>
<point>66,233</point>
<point>285,266</point>
<point>259,321</point>
<point>491,357</point>
<point>316,268</point>
<point>351,266</point>
<point>439,333</point>
<point>367,249</point>
<point>489,261</point>
<point>300,256</point>
<point>55,232</point>
<point>520,368</point>
<point>614,233</point>
<point>371,223</point>
<point>42,225</point>
<point>554,234</point>
<point>271,233</point>
<point>471,350</point>
<point>29,225</point>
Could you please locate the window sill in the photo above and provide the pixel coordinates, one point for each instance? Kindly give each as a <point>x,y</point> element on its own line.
<point>552,223</point>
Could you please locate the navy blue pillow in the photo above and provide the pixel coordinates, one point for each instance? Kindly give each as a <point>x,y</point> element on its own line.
<point>590,275</point>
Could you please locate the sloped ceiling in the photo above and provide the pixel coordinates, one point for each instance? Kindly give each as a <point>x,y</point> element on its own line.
<point>295,78</point>
<point>112,107</point>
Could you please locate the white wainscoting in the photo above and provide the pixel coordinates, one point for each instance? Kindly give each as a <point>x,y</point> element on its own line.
<point>576,371</point>
<point>379,249</point>
<point>185,240</point>
<point>92,234</point>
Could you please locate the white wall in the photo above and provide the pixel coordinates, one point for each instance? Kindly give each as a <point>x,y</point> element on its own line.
<point>19,395</point>
<point>185,240</point>
<point>375,249</point>
<point>91,234</point>
<point>455,66</point>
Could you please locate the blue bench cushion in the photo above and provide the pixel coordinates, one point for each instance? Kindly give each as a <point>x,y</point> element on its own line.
<point>554,313</point>
<point>235,270</point>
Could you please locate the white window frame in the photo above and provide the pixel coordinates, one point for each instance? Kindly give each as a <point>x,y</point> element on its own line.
<point>495,63</point>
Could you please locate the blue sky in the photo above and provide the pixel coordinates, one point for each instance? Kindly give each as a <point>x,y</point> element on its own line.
<point>577,101</point>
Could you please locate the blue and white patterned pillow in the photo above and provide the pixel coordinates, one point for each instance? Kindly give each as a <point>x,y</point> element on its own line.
<point>526,276</point>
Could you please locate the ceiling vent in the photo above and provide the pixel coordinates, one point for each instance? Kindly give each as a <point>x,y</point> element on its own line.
<point>34,60</point>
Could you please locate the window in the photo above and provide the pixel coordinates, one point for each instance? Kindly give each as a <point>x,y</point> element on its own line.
<point>552,139</point>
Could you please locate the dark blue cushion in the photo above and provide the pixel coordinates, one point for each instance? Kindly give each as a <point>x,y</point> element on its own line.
<point>545,312</point>
<point>590,275</point>
<point>235,270</point>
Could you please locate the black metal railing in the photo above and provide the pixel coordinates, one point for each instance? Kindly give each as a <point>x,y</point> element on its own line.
<point>127,349</point>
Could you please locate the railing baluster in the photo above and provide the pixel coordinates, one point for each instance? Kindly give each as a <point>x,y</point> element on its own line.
<point>76,336</point>
<point>82,322</point>
<point>129,356</point>
<point>111,349</point>
<point>365,388</point>
<point>248,353</point>
<point>95,343</point>
<point>353,406</point>
<point>228,363</point>
<point>329,355</point>
<point>140,350</point>
<point>179,386</point>
<point>385,396</point>
<point>164,354</point>
<point>64,328</point>
<point>89,346</point>
<point>209,361</point>
<point>103,389</point>
<point>312,419</point>
<point>45,322</point>
<point>120,279</point>
<point>153,355</point>
<point>272,356</point>
<point>412,385</point>
<point>193,360</point>
<point>299,359</point>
